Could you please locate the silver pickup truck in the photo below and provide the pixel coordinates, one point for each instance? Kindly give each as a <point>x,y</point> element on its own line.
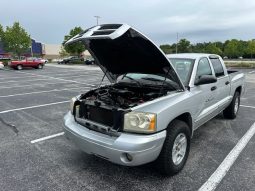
<point>154,102</point>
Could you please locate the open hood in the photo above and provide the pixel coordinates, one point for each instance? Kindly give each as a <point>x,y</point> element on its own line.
<point>119,49</point>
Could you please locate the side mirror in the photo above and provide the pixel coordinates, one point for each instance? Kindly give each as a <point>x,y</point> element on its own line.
<point>206,79</point>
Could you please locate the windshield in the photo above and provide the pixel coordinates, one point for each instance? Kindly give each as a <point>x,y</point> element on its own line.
<point>183,67</point>
<point>149,79</point>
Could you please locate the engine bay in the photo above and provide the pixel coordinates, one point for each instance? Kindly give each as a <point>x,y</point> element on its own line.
<point>122,96</point>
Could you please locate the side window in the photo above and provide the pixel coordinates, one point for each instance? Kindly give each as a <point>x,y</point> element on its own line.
<point>217,66</point>
<point>203,68</point>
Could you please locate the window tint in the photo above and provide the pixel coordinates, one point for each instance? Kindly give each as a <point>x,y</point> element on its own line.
<point>203,68</point>
<point>217,66</point>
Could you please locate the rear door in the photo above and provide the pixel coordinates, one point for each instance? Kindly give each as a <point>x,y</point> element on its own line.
<point>223,83</point>
<point>205,94</point>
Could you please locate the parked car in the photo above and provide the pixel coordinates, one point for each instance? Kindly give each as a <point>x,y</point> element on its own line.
<point>155,101</point>
<point>1,65</point>
<point>89,61</point>
<point>27,62</point>
<point>71,59</point>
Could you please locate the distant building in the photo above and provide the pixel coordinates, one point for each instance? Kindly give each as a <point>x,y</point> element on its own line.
<point>51,51</point>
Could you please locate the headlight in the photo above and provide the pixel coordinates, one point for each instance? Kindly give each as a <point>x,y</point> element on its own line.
<point>73,100</point>
<point>140,122</point>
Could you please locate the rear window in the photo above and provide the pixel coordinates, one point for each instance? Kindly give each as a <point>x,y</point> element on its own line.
<point>217,66</point>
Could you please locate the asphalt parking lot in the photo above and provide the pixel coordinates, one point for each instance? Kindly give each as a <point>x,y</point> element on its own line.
<point>34,154</point>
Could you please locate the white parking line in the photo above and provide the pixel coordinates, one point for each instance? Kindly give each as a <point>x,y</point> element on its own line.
<point>15,81</point>
<point>224,167</point>
<point>31,107</point>
<point>54,90</point>
<point>57,78</point>
<point>21,86</point>
<point>247,106</point>
<point>251,72</point>
<point>48,137</point>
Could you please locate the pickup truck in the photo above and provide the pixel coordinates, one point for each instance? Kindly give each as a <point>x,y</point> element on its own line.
<point>154,102</point>
<point>27,62</point>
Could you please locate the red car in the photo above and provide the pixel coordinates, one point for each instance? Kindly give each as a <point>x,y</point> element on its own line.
<point>27,62</point>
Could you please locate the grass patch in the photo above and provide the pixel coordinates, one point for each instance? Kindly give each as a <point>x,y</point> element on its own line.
<point>241,64</point>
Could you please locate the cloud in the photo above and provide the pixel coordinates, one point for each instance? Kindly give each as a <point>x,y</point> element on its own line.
<point>197,20</point>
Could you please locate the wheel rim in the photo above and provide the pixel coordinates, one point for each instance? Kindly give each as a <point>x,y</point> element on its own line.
<point>179,148</point>
<point>40,66</point>
<point>19,67</point>
<point>236,105</point>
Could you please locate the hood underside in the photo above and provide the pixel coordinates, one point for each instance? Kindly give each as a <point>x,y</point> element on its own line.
<point>119,49</point>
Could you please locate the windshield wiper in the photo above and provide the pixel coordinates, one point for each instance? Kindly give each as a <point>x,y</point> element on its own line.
<point>136,81</point>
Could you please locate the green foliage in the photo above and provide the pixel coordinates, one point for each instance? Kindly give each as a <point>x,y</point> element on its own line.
<point>184,46</point>
<point>230,48</point>
<point>63,52</point>
<point>251,48</point>
<point>166,48</point>
<point>16,39</point>
<point>213,49</point>
<point>1,32</point>
<point>75,48</point>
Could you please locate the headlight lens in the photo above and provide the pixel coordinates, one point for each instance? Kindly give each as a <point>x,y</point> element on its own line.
<point>140,122</point>
<point>73,100</point>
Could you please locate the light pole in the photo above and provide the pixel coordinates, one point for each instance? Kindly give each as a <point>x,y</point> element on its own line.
<point>97,18</point>
<point>177,39</point>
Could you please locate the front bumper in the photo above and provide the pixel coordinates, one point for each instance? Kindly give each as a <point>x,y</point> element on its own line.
<point>142,148</point>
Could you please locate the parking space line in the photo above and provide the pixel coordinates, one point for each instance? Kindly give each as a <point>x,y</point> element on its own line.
<point>54,90</point>
<point>14,81</point>
<point>247,106</point>
<point>224,167</point>
<point>57,78</point>
<point>48,137</point>
<point>31,107</point>
<point>21,86</point>
<point>251,72</point>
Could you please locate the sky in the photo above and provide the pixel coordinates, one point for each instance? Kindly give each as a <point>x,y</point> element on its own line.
<point>48,21</point>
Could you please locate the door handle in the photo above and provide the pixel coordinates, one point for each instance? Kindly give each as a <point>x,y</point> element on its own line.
<point>213,88</point>
<point>227,82</point>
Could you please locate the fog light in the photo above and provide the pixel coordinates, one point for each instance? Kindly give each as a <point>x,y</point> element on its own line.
<point>129,157</point>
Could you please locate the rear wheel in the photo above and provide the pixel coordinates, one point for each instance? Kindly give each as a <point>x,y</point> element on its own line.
<point>19,67</point>
<point>176,148</point>
<point>231,111</point>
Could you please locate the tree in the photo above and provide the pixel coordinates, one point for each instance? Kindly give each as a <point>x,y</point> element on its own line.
<point>213,49</point>
<point>1,32</point>
<point>63,52</point>
<point>184,46</point>
<point>76,48</point>
<point>166,48</point>
<point>231,48</point>
<point>16,39</point>
<point>251,48</point>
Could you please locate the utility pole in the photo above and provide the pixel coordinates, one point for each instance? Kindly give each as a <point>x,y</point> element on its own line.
<point>97,18</point>
<point>177,40</point>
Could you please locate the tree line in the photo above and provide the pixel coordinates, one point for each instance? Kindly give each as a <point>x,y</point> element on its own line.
<point>15,39</point>
<point>230,48</point>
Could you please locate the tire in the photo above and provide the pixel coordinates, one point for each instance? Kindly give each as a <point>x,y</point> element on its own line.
<point>167,162</point>
<point>231,111</point>
<point>40,66</point>
<point>19,67</point>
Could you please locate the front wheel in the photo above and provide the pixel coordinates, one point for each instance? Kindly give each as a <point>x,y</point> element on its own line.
<point>231,111</point>
<point>176,148</point>
<point>19,67</point>
<point>40,66</point>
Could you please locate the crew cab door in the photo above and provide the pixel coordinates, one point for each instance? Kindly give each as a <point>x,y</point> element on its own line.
<point>223,83</point>
<point>205,94</point>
